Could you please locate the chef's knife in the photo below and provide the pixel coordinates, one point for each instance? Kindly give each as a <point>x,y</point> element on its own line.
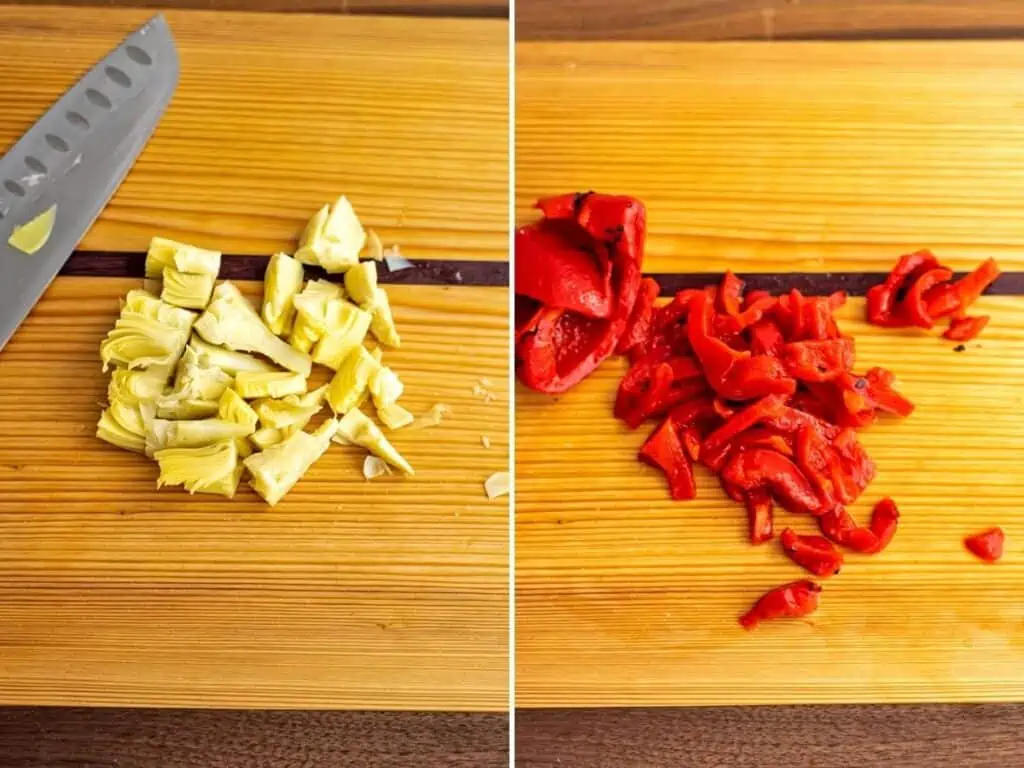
<point>76,156</point>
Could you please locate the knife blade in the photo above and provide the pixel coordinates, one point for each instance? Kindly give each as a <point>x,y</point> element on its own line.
<point>76,157</point>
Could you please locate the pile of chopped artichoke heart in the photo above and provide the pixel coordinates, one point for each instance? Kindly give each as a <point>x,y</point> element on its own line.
<point>213,388</point>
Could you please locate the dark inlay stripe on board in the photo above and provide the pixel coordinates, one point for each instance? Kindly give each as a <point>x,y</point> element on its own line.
<point>815,283</point>
<point>423,272</point>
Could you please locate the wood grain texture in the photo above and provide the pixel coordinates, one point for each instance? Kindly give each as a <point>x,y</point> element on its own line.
<point>460,8</point>
<point>766,19</point>
<point>120,738</point>
<point>383,595</point>
<point>276,114</point>
<point>981,736</point>
<point>626,598</point>
<point>786,157</point>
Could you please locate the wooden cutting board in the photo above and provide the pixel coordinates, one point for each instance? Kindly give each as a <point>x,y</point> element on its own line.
<point>791,158</point>
<point>349,594</point>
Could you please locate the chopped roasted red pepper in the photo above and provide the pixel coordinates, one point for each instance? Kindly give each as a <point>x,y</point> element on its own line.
<point>840,527</point>
<point>915,307</point>
<point>665,450</point>
<point>564,346</point>
<point>884,519</point>
<point>760,468</point>
<point>987,545</point>
<point>790,601</point>
<point>818,360</point>
<point>882,299</point>
<point>761,411</point>
<point>759,516</point>
<point>966,328</point>
<point>639,327</point>
<point>815,553</point>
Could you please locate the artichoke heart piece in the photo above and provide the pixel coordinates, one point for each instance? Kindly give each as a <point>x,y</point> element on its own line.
<point>292,411</point>
<point>187,290</point>
<point>109,430</point>
<point>251,385</point>
<point>311,313</point>
<point>202,469</point>
<point>349,385</point>
<point>186,409</point>
<point>231,321</point>
<point>347,327</point>
<point>394,416</point>
<point>137,341</point>
<point>282,282</point>
<point>333,238</point>
<point>382,323</point>
<point>386,388</point>
<point>164,254</point>
<point>227,360</point>
<point>356,429</point>
<point>137,386</point>
<point>234,409</point>
<point>144,303</point>
<point>266,437</point>
<point>194,434</point>
<point>276,470</point>
<point>197,378</point>
<point>361,282</point>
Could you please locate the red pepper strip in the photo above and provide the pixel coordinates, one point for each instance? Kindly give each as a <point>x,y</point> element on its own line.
<point>857,464</point>
<point>837,299</point>
<point>790,601</point>
<point>732,325</point>
<point>555,265</point>
<point>885,398</point>
<point>759,516</point>
<point>664,450</point>
<point>966,328</point>
<point>765,338</point>
<point>884,519</point>
<point>987,545</point>
<point>766,408</point>
<point>722,408</point>
<point>639,327</point>
<point>736,494</point>
<point>730,294</point>
<point>565,347</point>
<point>818,462</point>
<point>650,389</point>
<point>733,375</point>
<point>762,468</point>
<point>690,437</point>
<point>881,299</point>
<point>815,360</point>
<point>527,315</point>
<point>914,308</point>
<point>971,286</point>
<point>837,525</point>
<point>790,421</point>
<point>699,410</point>
<point>815,553</point>
<point>761,437</point>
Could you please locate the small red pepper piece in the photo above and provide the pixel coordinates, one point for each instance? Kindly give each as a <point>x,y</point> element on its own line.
<point>814,553</point>
<point>965,328</point>
<point>914,306</point>
<point>884,519</point>
<point>764,409</point>
<point>730,294</point>
<point>665,450</point>
<point>987,545</point>
<point>971,286</point>
<point>639,327</point>
<point>881,299</point>
<point>790,601</point>
<point>840,527</point>
<point>759,516</point>
<point>760,468</point>
<point>818,360</point>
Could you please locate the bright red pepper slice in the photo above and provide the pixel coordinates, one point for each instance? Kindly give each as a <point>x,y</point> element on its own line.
<point>766,408</point>
<point>730,294</point>
<point>814,553</point>
<point>818,360</point>
<point>790,601</point>
<point>884,519</point>
<point>966,328</point>
<point>881,299</point>
<point>665,450</point>
<point>557,265</point>
<point>563,346</point>
<point>840,527</point>
<point>733,375</point>
<point>970,287</point>
<point>987,545</point>
<point>760,520</point>
<point>639,327</point>
<point>760,468</point>
<point>914,306</point>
